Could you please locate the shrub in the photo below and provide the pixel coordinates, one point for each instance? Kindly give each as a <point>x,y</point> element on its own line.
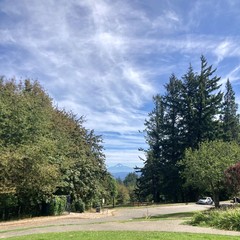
<point>57,205</point>
<point>8,206</point>
<point>79,205</point>
<point>200,218</point>
<point>228,219</point>
<point>96,203</point>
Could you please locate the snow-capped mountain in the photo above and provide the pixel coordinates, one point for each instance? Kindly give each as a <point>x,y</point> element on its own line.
<point>120,171</point>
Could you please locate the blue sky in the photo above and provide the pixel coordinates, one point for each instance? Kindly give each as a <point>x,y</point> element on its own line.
<point>105,59</point>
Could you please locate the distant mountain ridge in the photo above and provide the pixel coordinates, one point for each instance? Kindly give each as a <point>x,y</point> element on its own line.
<point>120,171</point>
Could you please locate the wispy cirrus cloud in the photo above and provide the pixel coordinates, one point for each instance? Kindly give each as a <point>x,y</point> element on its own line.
<point>106,59</point>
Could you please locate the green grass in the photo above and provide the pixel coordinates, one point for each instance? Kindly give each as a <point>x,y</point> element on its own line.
<point>171,216</point>
<point>124,236</point>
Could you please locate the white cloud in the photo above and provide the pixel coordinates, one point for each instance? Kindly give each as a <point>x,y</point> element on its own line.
<point>227,48</point>
<point>6,37</point>
<point>167,22</point>
<point>223,49</point>
<point>104,59</point>
<point>172,16</point>
<point>233,75</point>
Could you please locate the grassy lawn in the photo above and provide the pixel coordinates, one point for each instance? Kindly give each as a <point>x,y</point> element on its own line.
<point>171,216</point>
<point>123,236</point>
<point>182,215</point>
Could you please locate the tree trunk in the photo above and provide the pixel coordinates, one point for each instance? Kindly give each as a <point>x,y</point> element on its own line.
<point>216,199</point>
<point>113,202</point>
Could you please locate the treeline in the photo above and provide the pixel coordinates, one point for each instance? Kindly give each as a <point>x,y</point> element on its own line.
<point>192,111</point>
<point>46,152</point>
<point>125,190</point>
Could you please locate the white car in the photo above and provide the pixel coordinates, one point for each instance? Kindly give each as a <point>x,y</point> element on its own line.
<point>205,200</point>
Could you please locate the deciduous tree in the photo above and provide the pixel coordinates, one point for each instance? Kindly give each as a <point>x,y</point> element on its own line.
<point>204,167</point>
<point>232,178</point>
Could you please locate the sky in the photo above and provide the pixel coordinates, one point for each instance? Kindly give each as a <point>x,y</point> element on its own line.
<point>106,59</point>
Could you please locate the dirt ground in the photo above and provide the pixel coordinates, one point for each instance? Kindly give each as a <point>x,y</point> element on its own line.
<point>109,220</point>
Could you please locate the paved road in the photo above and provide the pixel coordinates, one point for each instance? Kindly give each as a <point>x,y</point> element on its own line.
<point>109,220</point>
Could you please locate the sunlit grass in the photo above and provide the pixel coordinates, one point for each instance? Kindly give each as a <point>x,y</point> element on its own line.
<point>120,235</point>
<point>171,216</point>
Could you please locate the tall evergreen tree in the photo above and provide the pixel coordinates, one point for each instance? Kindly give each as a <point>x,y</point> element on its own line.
<point>207,103</point>
<point>150,182</point>
<point>229,117</point>
<point>188,108</point>
<point>189,116</point>
<point>172,140</point>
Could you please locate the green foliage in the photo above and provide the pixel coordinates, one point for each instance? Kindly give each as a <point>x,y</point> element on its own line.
<point>8,206</point>
<point>122,194</point>
<point>205,166</point>
<point>232,178</point>
<point>201,218</point>
<point>45,151</point>
<point>171,142</point>
<point>79,205</point>
<point>150,182</point>
<point>227,219</point>
<point>207,103</point>
<point>130,182</point>
<point>190,112</point>
<point>229,117</point>
<point>57,205</point>
<point>110,192</point>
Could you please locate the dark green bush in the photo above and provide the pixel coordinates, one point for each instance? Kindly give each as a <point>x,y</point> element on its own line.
<point>57,205</point>
<point>200,218</point>
<point>8,206</point>
<point>96,203</point>
<point>79,205</point>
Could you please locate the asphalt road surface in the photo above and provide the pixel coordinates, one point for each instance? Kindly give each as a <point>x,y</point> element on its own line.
<point>110,220</point>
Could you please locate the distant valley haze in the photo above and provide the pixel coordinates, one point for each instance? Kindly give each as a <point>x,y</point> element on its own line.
<point>120,171</point>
